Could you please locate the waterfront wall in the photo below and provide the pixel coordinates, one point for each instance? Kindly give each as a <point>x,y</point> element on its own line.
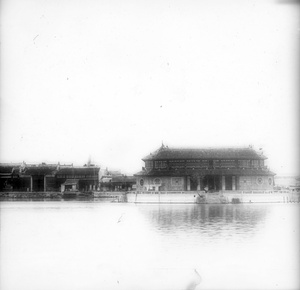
<point>164,183</point>
<point>155,197</point>
<point>28,194</point>
<point>210,198</point>
<point>174,197</point>
<point>16,195</point>
<point>255,182</point>
<point>261,197</point>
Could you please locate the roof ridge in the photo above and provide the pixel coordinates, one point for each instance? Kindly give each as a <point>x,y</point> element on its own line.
<point>203,148</point>
<point>208,152</point>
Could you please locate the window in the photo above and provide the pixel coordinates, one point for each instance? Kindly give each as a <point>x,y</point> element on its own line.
<point>227,163</point>
<point>160,164</point>
<point>157,181</point>
<point>216,163</point>
<point>204,163</point>
<point>244,163</point>
<point>259,180</point>
<point>176,181</point>
<point>149,164</point>
<point>270,181</point>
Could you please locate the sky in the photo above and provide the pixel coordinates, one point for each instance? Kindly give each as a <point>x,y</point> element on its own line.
<point>112,80</point>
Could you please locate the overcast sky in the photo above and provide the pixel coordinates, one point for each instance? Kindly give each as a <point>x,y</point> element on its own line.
<point>112,79</point>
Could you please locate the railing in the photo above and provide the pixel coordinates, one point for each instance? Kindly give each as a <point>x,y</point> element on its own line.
<point>254,191</point>
<point>217,192</point>
<point>162,192</point>
<point>217,166</point>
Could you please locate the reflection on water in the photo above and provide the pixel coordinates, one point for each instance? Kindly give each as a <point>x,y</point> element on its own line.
<point>210,219</point>
<point>100,245</point>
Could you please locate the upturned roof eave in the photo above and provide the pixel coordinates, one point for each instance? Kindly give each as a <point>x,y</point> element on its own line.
<point>204,153</point>
<point>154,158</point>
<point>188,172</point>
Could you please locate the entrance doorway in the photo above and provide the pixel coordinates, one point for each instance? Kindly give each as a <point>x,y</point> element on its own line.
<point>37,182</point>
<point>212,182</point>
<point>228,182</point>
<point>193,183</point>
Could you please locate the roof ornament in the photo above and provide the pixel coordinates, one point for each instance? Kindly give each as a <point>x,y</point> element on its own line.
<point>22,167</point>
<point>162,147</point>
<point>89,161</point>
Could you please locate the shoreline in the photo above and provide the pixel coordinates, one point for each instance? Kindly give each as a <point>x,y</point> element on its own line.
<point>160,197</point>
<point>55,195</point>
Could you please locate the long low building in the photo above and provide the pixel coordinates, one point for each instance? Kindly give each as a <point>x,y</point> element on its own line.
<point>210,170</point>
<point>46,177</point>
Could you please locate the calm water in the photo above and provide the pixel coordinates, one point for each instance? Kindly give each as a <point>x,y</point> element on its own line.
<point>94,245</point>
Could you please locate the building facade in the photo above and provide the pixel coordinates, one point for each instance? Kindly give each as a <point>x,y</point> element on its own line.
<point>211,170</point>
<point>10,176</point>
<point>46,177</point>
<point>115,181</point>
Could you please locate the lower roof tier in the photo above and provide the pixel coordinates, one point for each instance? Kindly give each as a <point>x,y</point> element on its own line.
<point>203,172</point>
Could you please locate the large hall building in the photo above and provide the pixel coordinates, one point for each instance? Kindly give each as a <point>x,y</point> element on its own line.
<point>211,170</point>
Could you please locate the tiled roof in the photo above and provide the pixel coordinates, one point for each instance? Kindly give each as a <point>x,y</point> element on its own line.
<point>79,170</point>
<point>166,153</point>
<point>9,169</point>
<point>106,179</point>
<point>39,170</point>
<point>216,171</point>
<point>46,170</point>
<point>71,182</point>
<point>115,173</point>
<point>122,179</point>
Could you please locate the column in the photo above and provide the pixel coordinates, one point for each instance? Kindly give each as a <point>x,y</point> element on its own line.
<point>233,183</point>
<point>223,182</point>
<point>188,183</point>
<point>215,187</point>
<point>45,186</point>
<point>31,183</point>
<point>198,183</point>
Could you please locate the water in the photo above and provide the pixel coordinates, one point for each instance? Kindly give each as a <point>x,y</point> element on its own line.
<point>94,245</point>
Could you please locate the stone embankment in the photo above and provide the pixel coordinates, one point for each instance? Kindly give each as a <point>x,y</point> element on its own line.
<point>213,198</point>
<point>8,195</point>
<point>26,194</point>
